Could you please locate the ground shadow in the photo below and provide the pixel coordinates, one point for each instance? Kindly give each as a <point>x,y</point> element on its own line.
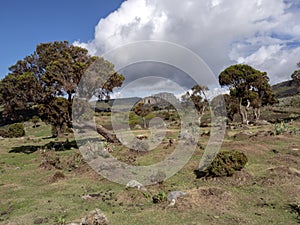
<point>200,174</point>
<point>56,146</point>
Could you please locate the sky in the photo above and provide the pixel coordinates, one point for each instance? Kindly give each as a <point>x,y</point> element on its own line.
<point>262,33</point>
<point>26,23</point>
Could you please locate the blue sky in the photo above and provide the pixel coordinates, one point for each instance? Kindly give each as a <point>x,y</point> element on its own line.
<point>264,34</point>
<point>24,24</point>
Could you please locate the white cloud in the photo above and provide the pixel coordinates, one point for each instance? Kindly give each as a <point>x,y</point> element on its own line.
<point>262,33</point>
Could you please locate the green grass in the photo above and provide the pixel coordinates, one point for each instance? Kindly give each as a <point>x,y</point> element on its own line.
<point>27,193</point>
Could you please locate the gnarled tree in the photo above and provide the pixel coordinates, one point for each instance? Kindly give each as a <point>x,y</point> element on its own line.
<point>250,87</point>
<point>54,71</point>
<point>198,98</point>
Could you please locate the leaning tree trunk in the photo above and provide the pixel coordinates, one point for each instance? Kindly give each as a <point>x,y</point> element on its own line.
<point>107,134</point>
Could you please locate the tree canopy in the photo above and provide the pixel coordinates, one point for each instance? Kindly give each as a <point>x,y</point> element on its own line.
<point>49,78</point>
<point>296,75</point>
<point>249,86</point>
<point>198,98</point>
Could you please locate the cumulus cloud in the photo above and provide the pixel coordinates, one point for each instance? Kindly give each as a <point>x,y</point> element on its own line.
<point>262,33</point>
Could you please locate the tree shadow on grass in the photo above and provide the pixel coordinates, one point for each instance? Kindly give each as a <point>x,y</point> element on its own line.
<point>56,146</point>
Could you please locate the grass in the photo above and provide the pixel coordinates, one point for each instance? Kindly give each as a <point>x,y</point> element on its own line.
<point>27,192</point>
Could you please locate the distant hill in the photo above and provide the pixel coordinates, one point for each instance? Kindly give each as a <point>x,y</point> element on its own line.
<point>285,89</point>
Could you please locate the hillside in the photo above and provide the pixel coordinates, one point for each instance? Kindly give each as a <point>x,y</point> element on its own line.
<point>285,89</point>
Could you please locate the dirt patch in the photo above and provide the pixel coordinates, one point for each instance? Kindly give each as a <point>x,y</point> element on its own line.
<point>58,175</point>
<point>282,159</point>
<point>133,197</point>
<point>281,175</point>
<point>285,172</point>
<point>215,199</point>
<point>238,179</point>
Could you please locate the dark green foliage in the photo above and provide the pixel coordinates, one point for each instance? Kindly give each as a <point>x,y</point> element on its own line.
<point>56,113</point>
<point>18,91</point>
<point>226,163</point>
<point>296,75</point>
<point>52,72</point>
<point>35,120</point>
<point>250,88</point>
<point>16,130</point>
<point>295,208</point>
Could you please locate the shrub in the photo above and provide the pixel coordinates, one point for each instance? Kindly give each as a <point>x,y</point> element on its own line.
<point>160,197</point>
<point>16,130</point>
<point>35,120</point>
<point>4,133</point>
<point>226,163</point>
<point>280,128</point>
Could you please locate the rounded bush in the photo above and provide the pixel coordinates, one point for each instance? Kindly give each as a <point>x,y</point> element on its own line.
<point>16,130</point>
<point>226,163</point>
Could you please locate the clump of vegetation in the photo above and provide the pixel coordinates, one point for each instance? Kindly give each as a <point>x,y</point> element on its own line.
<point>160,197</point>
<point>57,176</point>
<point>280,128</point>
<point>16,130</point>
<point>4,133</point>
<point>35,120</point>
<point>295,208</point>
<point>226,163</point>
<point>50,160</point>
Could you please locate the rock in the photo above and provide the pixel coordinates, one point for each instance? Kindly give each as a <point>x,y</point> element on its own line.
<point>140,146</point>
<point>91,196</point>
<point>2,138</point>
<point>141,137</point>
<point>174,195</point>
<point>261,123</point>
<point>135,184</point>
<point>96,217</point>
<point>172,203</point>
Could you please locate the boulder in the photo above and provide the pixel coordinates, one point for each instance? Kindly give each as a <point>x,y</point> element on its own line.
<point>261,123</point>
<point>174,195</point>
<point>96,217</point>
<point>135,184</point>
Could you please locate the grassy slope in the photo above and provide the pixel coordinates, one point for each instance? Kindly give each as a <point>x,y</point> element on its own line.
<point>255,195</point>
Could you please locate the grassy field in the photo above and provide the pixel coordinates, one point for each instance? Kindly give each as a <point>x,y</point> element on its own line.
<point>32,193</point>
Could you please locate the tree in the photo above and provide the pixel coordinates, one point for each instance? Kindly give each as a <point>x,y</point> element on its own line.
<point>250,87</point>
<point>35,120</point>
<point>142,110</point>
<point>198,97</point>
<point>52,72</point>
<point>232,106</point>
<point>296,75</point>
<point>19,92</point>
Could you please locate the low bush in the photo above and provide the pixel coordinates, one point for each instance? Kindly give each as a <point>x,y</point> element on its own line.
<point>35,120</point>
<point>226,163</point>
<point>4,133</point>
<point>160,197</point>
<point>16,130</point>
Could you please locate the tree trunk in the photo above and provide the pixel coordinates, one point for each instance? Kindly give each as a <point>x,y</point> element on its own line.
<point>107,134</point>
<point>144,123</point>
<point>256,113</point>
<point>243,113</point>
